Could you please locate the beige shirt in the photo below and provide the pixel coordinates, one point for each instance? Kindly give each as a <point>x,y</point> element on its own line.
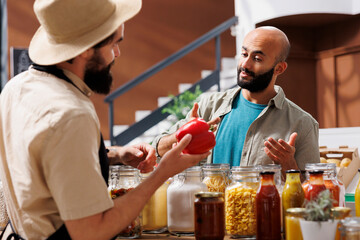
<point>49,161</point>
<point>278,120</point>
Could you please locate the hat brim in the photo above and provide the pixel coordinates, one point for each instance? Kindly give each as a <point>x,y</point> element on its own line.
<point>42,51</point>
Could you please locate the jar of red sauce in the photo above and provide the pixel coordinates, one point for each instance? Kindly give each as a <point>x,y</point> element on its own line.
<point>316,184</point>
<point>335,186</point>
<point>268,205</point>
<point>209,211</point>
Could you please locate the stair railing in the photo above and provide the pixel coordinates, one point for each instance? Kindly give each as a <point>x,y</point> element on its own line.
<point>156,116</point>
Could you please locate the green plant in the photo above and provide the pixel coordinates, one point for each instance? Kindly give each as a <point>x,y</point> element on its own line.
<point>319,209</point>
<point>182,104</point>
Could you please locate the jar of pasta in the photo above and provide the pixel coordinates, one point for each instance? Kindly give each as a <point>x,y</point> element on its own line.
<point>240,195</point>
<point>216,176</point>
<point>123,179</point>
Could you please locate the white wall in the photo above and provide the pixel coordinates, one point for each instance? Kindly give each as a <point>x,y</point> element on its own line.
<point>251,12</point>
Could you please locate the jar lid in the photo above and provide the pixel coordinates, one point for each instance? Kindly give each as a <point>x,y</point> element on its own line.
<point>267,173</point>
<point>316,172</point>
<point>209,194</point>
<point>215,166</point>
<point>292,171</point>
<point>295,212</point>
<point>340,212</point>
<point>351,223</point>
<point>320,166</point>
<point>272,167</point>
<point>246,169</point>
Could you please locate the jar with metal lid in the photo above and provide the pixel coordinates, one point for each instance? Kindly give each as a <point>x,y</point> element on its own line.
<point>154,214</point>
<point>292,223</point>
<point>4,218</point>
<point>240,195</point>
<point>180,200</point>
<point>350,228</point>
<point>340,213</point>
<point>335,186</point>
<point>216,176</point>
<point>123,179</point>
<point>209,216</point>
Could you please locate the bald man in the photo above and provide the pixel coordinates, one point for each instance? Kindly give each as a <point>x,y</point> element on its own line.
<point>257,124</point>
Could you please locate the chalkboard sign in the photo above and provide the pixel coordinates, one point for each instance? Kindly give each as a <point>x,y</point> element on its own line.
<point>19,60</point>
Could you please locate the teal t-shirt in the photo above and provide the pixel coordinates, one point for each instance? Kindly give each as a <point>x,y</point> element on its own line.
<point>232,131</point>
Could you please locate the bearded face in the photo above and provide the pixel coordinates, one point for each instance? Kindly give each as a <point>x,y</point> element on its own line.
<point>258,82</point>
<point>98,75</point>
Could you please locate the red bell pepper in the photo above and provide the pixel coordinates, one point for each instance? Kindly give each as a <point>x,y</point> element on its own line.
<point>202,138</point>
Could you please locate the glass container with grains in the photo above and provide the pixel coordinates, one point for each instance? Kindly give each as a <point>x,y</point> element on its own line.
<point>123,179</point>
<point>240,218</point>
<point>216,176</point>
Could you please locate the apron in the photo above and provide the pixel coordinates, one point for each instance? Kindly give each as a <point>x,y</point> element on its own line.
<point>62,233</point>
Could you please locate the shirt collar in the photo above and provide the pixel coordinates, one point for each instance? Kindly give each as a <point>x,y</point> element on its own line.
<point>80,84</point>
<point>278,100</point>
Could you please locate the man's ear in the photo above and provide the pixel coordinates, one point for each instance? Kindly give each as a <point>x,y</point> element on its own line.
<point>87,54</point>
<point>280,68</point>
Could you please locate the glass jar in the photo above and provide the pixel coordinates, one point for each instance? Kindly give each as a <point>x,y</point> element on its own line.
<point>340,213</point>
<point>357,198</point>
<point>292,223</point>
<point>180,200</point>
<point>154,214</point>
<point>335,186</point>
<point>316,184</point>
<point>350,228</point>
<point>268,208</point>
<point>209,216</point>
<point>121,180</point>
<point>240,218</point>
<point>4,218</point>
<point>216,176</point>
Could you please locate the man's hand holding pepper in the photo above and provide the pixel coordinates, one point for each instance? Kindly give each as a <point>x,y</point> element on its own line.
<point>166,142</point>
<point>141,156</point>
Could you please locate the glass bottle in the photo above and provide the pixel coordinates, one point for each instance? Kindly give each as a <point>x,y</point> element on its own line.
<point>154,214</point>
<point>268,209</point>
<point>357,198</point>
<point>279,183</point>
<point>180,201</point>
<point>293,194</point>
<point>240,218</point>
<point>316,184</point>
<point>335,186</point>
<point>292,223</point>
<point>209,216</point>
<point>121,180</point>
<point>216,176</point>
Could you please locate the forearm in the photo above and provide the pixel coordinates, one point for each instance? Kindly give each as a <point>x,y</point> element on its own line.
<point>165,144</point>
<point>126,208</point>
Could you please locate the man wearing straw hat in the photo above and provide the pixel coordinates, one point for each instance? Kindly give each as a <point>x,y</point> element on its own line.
<point>53,161</point>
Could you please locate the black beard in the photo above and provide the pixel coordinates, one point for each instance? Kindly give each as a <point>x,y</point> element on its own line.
<point>258,83</point>
<point>98,80</point>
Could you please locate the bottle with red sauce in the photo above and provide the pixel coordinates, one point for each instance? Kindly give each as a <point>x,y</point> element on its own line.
<point>268,213</point>
<point>316,184</point>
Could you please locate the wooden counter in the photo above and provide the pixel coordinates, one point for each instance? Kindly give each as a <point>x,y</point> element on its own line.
<point>169,236</point>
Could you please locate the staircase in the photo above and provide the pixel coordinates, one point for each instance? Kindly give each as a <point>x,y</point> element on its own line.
<point>227,80</point>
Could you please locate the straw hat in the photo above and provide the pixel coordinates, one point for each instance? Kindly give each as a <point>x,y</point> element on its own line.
<point>69,27</point>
